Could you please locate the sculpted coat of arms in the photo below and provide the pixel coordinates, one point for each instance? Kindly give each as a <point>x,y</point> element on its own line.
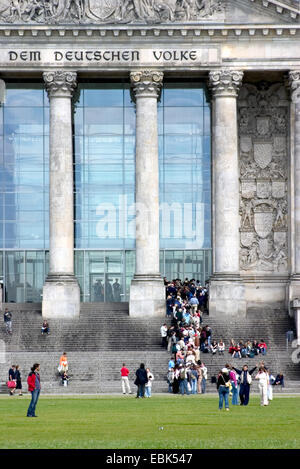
<point>263,175</point>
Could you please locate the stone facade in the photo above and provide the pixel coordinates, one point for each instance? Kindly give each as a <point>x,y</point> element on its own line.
<point>248,51</point>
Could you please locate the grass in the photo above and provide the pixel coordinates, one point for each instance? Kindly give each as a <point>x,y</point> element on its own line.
<point>117,422</point>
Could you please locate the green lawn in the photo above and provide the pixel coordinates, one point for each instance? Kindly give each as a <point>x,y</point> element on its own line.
<point>117,422</point>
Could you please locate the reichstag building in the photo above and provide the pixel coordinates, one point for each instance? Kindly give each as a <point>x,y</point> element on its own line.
<point>143,139</point>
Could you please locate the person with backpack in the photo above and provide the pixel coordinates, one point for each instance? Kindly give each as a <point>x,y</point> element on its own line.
<point>183,382</point>
<point>245,383</point>
<point>223,386</point>
<point>193,378</point>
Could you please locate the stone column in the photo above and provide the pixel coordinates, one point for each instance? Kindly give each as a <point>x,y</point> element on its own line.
<point>294,85</point>
<point>61,296</point>
<point>147,293</point>
<point>226,289</point>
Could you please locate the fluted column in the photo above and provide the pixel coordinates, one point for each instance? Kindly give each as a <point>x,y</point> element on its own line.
<point>294,82</point>
<point>147,296</point>
<point>294,286</point>
<point>226,289</point>
<point>61,297</point>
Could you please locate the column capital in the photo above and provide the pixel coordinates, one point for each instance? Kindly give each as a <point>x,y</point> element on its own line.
<point>60,83</point>
<point>146,83</point>
<point>225,82</point>
<point>294,85</point>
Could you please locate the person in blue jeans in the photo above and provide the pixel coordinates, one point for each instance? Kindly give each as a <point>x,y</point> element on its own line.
<point>245,383</point>
<point>223,383</point>
<point>193,378</point>
<point>34,386</point>
<point>183,382</point>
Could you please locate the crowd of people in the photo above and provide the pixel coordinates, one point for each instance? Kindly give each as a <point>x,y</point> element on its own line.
<point>250,349</point>
<point>185,338</point>
<point>143,381</point>
<point>188,295</point>
<point>236,383</point>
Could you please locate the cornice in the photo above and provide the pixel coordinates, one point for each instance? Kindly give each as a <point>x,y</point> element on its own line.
<point>194,30</point>
<point>281,7</point>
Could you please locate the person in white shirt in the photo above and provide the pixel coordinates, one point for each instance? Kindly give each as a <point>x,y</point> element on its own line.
<point>148,385</point>
<point>263,382</point>
<point>221,347</point>
<point>204,378</point>
<point>164,335</point>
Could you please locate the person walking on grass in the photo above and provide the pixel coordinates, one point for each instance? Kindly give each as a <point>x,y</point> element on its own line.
<point>245,383</point>
<point>223,385</point>
<point>263,383</point>
<point>34,386</point>
<point>148,385</point>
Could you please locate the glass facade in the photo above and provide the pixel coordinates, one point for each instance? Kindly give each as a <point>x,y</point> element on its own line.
<point>104,188</point>
<point>104,142</point>
<point>24,191</point>
<point>184,162</point>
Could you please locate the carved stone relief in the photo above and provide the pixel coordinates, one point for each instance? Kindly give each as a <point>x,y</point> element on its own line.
<point>263,137</point>
<point>108,11</point>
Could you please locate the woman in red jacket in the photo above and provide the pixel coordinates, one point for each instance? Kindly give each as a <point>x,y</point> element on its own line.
<point>34,386</point>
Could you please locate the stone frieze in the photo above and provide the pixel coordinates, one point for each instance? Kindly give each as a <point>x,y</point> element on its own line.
<point>107,11</point>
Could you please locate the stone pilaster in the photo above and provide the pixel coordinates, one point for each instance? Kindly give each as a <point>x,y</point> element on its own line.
<point>294,86</point>
<point>147,295</point>
<point>61,296</point>
<point>226,289</point>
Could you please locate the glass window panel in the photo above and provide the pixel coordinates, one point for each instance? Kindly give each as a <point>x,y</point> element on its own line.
<point>128,102</point>
<point>78,121</point>
<point>188,121</point>
<point>104,120</point>
<point>24,95</point>
<point>110,95</point>
<point>129,121</point>
<point>79,263</point>
<point>35,276</point>
<point>177,95</point>
<point>24,120</point>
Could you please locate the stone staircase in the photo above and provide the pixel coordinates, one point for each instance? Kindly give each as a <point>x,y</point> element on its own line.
<point>105,336</point>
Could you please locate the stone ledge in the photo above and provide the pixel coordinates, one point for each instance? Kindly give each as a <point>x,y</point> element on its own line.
<point>188,30</point>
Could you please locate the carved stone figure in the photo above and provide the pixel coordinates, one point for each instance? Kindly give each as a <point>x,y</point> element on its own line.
<point>107,11</point>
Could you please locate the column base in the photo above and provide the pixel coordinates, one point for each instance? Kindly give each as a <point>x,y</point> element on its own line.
<point>294,287</point>
<point>295,305</point>
<point>147,296</point>
<point>227,296</point>
<point>61,297</point>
